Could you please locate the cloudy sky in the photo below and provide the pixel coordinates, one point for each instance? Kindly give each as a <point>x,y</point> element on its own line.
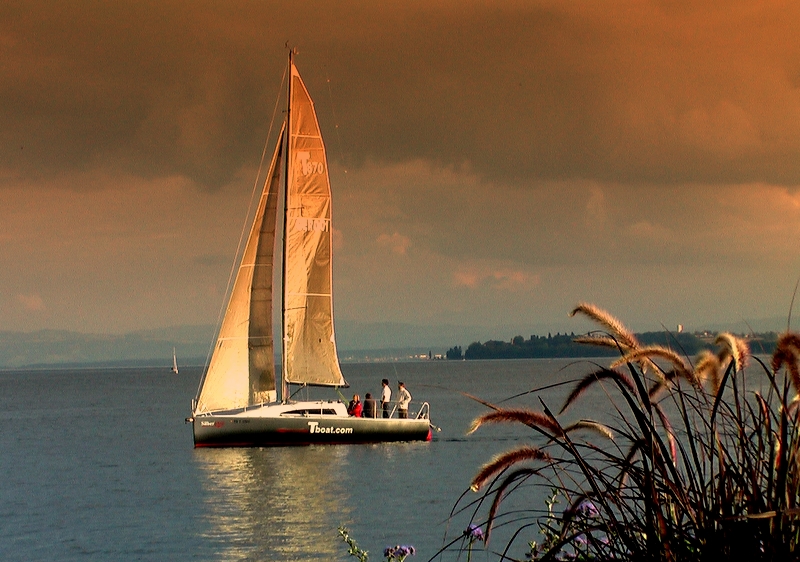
<point>492,162</point>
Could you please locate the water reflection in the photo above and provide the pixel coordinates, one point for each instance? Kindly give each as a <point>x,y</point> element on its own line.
<point>274,503</point>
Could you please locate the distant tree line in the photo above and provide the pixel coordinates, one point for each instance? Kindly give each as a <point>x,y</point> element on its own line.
<point>564,345</point>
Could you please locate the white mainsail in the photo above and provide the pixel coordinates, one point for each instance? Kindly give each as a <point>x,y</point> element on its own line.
<point>174,361</point>
<point>242,368</point>
<point>309,345</point>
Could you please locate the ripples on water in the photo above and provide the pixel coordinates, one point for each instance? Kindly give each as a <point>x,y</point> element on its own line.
<point>98,465</point>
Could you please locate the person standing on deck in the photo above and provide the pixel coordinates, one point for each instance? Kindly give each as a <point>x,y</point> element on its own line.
<point>370,407</point>
<point>386,397</point>
<point>403,399</point>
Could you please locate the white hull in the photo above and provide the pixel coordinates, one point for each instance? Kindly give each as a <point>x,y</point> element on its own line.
<point>303,423</point>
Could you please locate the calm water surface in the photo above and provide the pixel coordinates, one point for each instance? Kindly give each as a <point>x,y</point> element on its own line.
<point>99,465</point>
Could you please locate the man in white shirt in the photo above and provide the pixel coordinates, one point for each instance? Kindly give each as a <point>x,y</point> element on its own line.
<point>386,397</point>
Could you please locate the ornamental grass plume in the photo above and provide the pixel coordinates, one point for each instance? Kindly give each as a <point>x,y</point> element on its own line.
<point>700,461</point>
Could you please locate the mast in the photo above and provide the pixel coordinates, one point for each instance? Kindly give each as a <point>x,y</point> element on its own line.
<point>287,175</point>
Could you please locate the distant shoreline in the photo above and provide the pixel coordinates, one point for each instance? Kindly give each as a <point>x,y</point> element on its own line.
<point>563,346</point>
<point>64,351</point>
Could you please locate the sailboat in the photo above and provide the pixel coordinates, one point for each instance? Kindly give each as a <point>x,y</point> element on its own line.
<point>242,400</point>
<point>174,362</point>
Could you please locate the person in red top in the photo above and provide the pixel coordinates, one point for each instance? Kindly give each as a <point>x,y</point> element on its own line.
<point>355,408</point>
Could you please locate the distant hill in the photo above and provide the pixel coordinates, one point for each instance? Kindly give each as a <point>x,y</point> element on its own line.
<point>356,342</point>
<point>154,347</point>
<point>59,347</point>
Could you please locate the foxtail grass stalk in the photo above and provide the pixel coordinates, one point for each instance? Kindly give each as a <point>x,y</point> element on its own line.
<point>697,463</point>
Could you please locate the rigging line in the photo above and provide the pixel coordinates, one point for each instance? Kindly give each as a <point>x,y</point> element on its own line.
<point>256,182</point>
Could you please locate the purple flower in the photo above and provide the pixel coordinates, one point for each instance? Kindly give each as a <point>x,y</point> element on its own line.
<point>588,509</point>
<point>474,533</point>
<point>399,551</point>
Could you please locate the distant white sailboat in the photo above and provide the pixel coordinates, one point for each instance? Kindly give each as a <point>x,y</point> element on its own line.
<point>242,401</point>
<point>174,362</point>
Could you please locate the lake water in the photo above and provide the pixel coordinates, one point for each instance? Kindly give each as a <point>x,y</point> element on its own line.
<point>99,465</point>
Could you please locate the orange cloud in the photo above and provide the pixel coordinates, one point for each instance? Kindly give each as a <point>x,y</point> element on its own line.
<point>396,242</point>
<point>726,130</point>
<point>466,279</point>
<point>32,303</point>
<point>644,91</point>
<point>501,278</point>
<point>337,237</point>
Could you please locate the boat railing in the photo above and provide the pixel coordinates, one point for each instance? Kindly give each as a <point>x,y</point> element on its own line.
<point>424,412</point>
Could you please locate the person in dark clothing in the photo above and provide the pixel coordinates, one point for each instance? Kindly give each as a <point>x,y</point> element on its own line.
<point>370,406</point>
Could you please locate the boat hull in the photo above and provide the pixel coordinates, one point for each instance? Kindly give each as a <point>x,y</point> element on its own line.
<point>244,431</point>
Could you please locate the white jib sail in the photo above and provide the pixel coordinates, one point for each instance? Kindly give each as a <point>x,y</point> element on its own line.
<point>242,368</point>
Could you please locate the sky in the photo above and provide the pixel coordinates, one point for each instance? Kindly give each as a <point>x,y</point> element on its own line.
<point>493,163</point>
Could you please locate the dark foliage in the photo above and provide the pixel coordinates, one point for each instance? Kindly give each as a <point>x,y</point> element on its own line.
<point>697,461</point>
<point>564,345</point>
